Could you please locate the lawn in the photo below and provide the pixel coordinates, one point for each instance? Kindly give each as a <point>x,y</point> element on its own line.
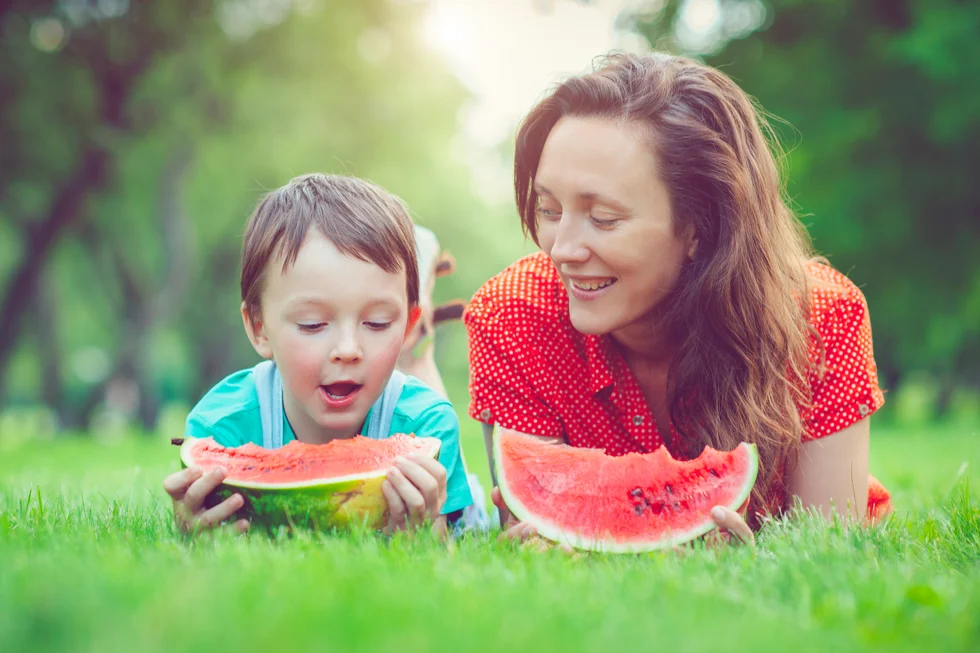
<point>89,561</point>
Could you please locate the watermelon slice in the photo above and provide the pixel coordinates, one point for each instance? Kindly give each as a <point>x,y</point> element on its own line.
<point>638,502</point>
<point>323,487</point>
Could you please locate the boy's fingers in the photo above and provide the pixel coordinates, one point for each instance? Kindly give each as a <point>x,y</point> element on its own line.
<point>410,495</point>
<point>396,507</point>
<point>431,465</point>
<point>201,488</point>
<point>424,481</point>
<point>242,525</point>
<point>177,483</point>
<point>214,516</point>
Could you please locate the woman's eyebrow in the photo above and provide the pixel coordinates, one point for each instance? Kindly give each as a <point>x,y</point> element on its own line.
<point>588,196</point>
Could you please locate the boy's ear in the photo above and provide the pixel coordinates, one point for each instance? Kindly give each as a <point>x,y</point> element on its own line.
<point>414,314</point>
<point>256,333</point>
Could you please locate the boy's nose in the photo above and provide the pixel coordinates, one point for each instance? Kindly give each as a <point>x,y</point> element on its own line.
<point>346,350</point>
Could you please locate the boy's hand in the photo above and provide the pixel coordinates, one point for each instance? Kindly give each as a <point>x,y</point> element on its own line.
<point>415,489</point>
<point>188,488</point>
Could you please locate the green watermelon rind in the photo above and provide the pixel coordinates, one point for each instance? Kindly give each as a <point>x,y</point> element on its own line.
<point>341,502</point>
<point>555,533</point>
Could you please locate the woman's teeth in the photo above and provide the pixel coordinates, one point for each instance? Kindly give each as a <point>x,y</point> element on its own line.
<point>592,285</point>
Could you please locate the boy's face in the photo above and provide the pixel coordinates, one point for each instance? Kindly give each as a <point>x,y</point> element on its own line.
<point>334,325</point>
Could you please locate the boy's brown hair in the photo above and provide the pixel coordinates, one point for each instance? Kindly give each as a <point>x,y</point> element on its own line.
<point>361,219</point>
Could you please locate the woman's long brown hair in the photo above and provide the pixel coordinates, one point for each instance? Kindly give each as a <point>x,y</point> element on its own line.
<point>739,309</point>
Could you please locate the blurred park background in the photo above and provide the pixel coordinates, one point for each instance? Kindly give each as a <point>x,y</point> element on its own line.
<point>136,136</point>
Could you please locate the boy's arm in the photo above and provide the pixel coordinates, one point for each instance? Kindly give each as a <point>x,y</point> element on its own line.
<point>440,421</point>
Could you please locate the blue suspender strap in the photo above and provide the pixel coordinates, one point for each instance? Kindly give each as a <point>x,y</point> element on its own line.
<point>378,426</point>
<point>268,385</point>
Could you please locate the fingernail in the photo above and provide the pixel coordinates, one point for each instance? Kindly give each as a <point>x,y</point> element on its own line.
<point>718,513</point>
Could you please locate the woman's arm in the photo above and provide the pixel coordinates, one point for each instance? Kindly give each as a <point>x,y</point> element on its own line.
<point>832,472</point>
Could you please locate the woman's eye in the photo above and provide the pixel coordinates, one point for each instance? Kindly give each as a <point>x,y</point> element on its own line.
<point>311,327</point>
<point>547,214</point>
<point>378,326</point>
<point>603,224</point>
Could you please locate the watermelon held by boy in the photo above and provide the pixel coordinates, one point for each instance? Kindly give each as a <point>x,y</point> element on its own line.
<point>316,486</point>
<point>591,501</point>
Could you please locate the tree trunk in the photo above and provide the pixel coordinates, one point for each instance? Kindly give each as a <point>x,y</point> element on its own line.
<point>21,287</point>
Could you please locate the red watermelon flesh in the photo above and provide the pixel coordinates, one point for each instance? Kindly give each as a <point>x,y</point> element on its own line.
<point>297,463</point>
<point>637,502</point>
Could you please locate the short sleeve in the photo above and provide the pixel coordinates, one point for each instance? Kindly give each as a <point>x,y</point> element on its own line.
<point>440,421</point>
<point>224,432</point>
<point>500,391</point>
<point>848,389</point>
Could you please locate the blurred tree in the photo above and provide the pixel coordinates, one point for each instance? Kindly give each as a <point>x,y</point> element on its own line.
<point>883,113</point>
<point>233,98</point>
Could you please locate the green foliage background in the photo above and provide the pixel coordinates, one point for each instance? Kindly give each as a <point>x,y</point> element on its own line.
<point>137,136</point>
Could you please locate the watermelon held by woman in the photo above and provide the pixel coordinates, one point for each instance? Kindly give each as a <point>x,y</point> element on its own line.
<point>638,502</point>
<point>317,486</point>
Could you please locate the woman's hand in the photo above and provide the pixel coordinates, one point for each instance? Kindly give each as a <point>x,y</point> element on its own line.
<point>188,489</point>
<point>522,532</point>
<point>415,489</point>
<point>732,528</point>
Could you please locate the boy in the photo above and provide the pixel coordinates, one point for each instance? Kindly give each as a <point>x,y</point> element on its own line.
<point>330,289</point>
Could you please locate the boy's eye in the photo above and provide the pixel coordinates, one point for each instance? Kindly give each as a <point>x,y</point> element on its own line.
<point>312,327</point>
<point>378,326</point>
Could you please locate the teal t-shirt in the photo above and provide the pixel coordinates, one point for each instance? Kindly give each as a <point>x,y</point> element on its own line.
<point>230,413</point>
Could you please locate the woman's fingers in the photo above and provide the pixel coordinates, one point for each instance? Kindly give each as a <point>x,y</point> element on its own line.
<point>506,518</point>
<point>520,531</point>
<point>732,524</point>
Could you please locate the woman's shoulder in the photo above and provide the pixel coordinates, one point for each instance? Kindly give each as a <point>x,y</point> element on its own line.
<point>833,297</point>
<point>528,290</point>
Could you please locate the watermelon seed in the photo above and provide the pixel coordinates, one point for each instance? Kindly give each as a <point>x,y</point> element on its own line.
<point>669,489</point>
<point>713,472</point>
<point>636,492</point>
<point>250,468</point>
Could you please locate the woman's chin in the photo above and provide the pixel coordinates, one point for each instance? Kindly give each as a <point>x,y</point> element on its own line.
<point>590,322</point>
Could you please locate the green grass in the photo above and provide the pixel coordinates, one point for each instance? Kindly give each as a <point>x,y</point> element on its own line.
<point>89,561</point>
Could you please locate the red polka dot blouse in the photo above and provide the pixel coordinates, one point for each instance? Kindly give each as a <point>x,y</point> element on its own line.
<point>531,371</point>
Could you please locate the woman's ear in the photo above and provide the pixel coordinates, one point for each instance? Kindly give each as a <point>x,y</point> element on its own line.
<point>692,240</point>
<point>256,332</point>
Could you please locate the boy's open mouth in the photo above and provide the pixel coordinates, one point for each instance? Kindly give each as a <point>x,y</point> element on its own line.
<point>341,390</point>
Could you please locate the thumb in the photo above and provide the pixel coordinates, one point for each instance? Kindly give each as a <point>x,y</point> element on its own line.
<point>506,517</point>
<point>497,498</point>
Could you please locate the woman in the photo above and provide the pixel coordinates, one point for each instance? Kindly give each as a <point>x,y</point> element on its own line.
<point>675,301</point>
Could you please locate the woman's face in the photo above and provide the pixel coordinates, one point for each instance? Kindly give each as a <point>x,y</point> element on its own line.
<point>604,218</point>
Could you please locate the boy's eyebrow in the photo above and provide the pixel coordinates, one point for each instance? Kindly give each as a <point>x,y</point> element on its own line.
<point>304,300</point>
